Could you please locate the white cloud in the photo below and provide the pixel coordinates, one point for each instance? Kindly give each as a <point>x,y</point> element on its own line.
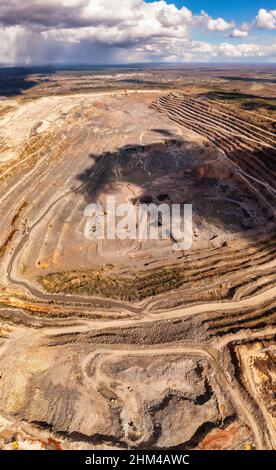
<point>266,19</point>
<point>104,31</point>
<point>242,50</point>
<point>211,24</point>
<point>239,33</point>
<point>219,24</point>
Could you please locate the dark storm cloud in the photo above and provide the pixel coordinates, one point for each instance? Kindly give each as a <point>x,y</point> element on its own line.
<point>48,14</point>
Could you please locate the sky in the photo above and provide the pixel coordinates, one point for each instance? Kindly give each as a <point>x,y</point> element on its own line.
<point>40,32</point>
<point>237,10</point>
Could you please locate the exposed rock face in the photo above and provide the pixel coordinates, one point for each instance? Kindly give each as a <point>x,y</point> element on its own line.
<point>93,394</point>
<point>129,343</point>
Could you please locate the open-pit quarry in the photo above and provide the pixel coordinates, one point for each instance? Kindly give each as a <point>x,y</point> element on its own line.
<point>131,344</point>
